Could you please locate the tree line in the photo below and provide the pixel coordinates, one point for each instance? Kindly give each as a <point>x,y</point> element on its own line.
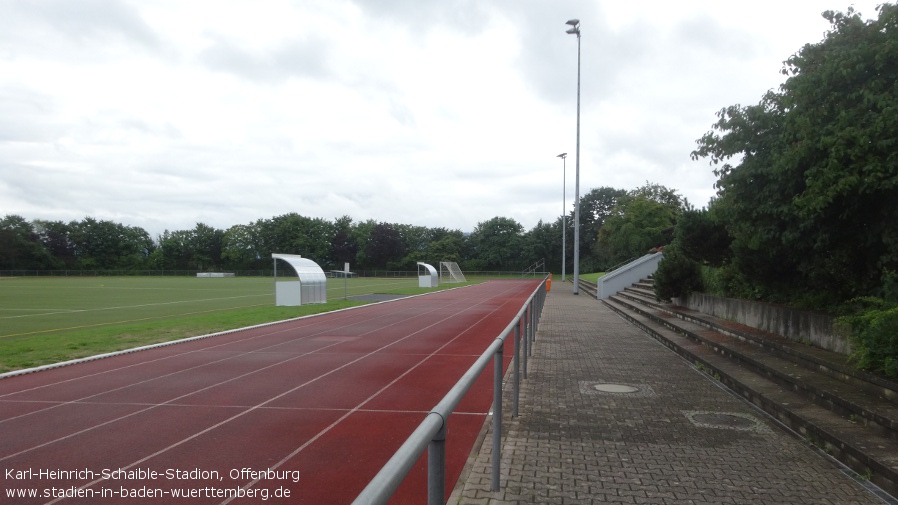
<point>615,225</point>
<point>807,200</point>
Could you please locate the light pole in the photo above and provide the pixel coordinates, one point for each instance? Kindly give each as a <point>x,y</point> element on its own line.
<point>563,157</point>
<point>575,30</point>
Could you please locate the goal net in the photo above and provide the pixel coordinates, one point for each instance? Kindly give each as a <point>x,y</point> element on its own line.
<point>449,272</point>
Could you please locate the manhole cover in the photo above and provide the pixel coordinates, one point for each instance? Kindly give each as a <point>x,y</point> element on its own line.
<point>615,388</point>
<point>600,387</point>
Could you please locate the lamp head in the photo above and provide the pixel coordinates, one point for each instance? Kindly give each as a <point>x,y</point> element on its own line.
<point>573,22</point>
<point>562,155</point>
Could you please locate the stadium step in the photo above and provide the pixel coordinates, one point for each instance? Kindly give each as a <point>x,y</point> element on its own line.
<point>849,414</point>
<point>589,288</point>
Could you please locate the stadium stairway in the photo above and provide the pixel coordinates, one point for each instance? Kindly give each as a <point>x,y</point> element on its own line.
<point>848,414</point>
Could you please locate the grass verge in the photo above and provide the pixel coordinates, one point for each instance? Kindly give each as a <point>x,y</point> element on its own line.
<point>36,350</point>
<point>53,320</point>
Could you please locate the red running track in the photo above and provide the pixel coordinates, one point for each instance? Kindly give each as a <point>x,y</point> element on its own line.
<point>305,411</point>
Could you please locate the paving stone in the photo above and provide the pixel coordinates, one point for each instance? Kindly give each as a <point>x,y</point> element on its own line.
<point>574,444</point>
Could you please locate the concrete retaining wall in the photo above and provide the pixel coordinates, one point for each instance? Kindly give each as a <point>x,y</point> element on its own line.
<point>798,325</point>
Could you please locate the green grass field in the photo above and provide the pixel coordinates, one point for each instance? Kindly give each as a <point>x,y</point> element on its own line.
<point>592,277</point>
<point>48,320</point>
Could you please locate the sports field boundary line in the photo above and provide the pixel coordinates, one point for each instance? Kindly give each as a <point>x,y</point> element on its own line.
<point>261,405</point>
<point>122,352</point>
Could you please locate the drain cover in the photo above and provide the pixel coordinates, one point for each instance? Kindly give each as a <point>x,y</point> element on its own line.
<point>724,420</point>
<point>615,388</point>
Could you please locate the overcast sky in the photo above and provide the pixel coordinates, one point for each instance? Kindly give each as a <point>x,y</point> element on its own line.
<point>438,113</point>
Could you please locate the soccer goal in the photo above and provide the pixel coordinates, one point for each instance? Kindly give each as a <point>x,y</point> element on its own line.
<point>342,274</point>
<point>449,272</point>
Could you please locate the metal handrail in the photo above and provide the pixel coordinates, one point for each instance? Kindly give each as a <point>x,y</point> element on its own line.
<point>431,433</point>
<point>532,269</point>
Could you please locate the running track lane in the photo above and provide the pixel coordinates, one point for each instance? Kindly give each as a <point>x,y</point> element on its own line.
<point>331,397</point>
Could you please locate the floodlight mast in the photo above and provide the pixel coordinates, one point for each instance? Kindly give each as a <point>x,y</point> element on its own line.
<point>575,30</point>
<point>563,157</point>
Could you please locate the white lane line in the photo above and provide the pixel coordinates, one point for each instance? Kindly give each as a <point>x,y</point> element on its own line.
<point>351,322</point>
<point>262,404</point>
<point>358,407</point>
<point>100,309</point>
<point>310,320</point>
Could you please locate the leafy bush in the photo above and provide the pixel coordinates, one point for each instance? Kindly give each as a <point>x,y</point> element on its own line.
<point>677,275</point>
<point>874,336</point>
<point>703,238</point>
<point>890,285</point>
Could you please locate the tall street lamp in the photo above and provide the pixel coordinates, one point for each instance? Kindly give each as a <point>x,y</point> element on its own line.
<point>575,30</point>
<point>563,157</point>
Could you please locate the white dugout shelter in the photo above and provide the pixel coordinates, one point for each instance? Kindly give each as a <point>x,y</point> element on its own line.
<point>311,287</point>
<point>427,276</point>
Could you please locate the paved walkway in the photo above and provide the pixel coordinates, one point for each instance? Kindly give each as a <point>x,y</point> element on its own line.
<point>675,438</point>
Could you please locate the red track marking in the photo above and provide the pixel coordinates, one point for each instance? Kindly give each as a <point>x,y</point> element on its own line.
<point>332,396</point>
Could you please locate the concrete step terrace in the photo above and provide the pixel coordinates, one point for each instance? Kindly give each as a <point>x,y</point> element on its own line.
<point>850,414</point>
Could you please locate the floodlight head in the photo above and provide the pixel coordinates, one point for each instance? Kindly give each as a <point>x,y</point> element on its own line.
<point>562,155</point>
<point>573,31</point>
<point>573,22</point>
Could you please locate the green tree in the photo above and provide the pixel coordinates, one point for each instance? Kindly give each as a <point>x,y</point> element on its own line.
<point>810,199</point>
<point>385,247</point>
<point>21,248</point>
<point>637,225</point>
<point>55,237</point>
<point>177,251</point>
<point>207,244</point>
<point>296,234</point>
<point>543,242</point>
<point>595,207</point>
<point>108,245</point>
<point>496,243</point>
<point>703,238</point>
<point>677,275</point>
<point>360,235</point>
<point>417,243</point>
<point>343,248</point>
<point>240,249</point>
<point>446,245</point>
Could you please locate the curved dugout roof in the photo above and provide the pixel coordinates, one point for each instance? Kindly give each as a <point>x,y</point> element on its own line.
<point>429,280</point>
<point>313,282</point>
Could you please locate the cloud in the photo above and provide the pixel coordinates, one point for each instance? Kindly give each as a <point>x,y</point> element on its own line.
<point>27,115</point>
<point>296,58</point>
<point>442,114</point>
<point>65,28</point>
<point>467,16</point>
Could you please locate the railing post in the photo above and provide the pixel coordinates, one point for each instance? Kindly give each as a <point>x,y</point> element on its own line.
<point>436,468</point>
<point>532,312</point>
<point>527,336</point>
<point>528,327</point>
<point>517,366</point>
<point>523,334</point>
<point>497,417</point>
